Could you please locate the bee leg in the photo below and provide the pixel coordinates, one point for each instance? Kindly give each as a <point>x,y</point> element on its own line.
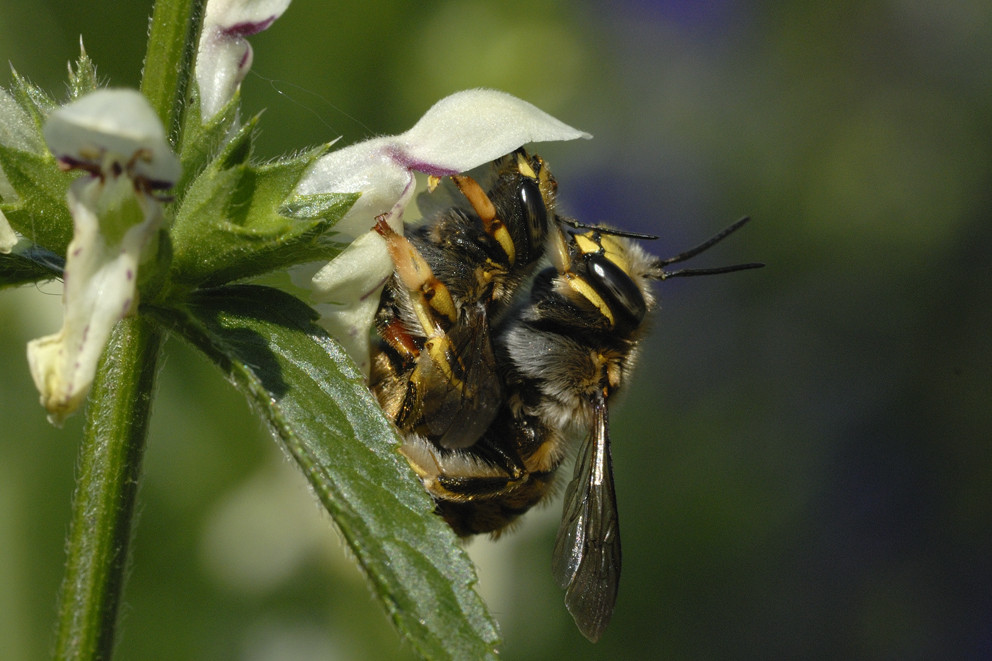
<point>399,339</point>
<point>483,206</point>
<point>431,298</point>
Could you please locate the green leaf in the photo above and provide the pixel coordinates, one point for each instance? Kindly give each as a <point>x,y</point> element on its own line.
<point>319,410</point>
<point>40,212</point>
<point>235,222</point>
<point>32,265</point>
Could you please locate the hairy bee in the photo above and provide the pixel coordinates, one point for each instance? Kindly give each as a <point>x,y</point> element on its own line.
<point>568,350</point>
<point>492,371</point>
<point>434,372</point>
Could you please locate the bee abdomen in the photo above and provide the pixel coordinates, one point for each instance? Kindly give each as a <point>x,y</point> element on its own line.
<point>493,513</point>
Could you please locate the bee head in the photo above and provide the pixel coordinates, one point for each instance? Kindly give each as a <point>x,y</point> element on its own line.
<point>606,270</point>
<point>530,189</point>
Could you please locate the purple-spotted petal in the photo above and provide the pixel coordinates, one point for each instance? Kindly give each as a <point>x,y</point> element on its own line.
<point>113,129</point>
<point>116,139</point>
<point>99,290</point>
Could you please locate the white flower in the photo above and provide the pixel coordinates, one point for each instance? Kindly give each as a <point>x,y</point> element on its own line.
<point>115,137</point>
<point>460,132</point>
<point>224,55</point>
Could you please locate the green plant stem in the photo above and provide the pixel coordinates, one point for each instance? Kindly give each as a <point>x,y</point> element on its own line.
<point>120,401</point>
<point>172,39</point>
<point>103,505</point>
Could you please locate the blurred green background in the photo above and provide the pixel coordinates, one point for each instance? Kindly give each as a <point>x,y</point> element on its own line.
<point>804,459</point>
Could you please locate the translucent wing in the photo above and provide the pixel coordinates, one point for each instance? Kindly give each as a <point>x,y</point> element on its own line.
<point>586,561</point>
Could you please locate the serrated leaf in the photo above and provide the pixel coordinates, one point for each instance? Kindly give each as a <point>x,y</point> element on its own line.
<point>40,212</point>
<point>318,408</point>
<point>32,265</point>
<point>231,224</point>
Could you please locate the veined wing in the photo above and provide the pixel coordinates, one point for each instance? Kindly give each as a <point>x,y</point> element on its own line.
<point>586,561</point>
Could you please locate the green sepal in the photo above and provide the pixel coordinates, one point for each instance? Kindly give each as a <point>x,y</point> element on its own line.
<point>153,271</point>
<point>239,220</point>
<point>82,77</point>
<point>320,412</point>
<point>38,208</point>
<point>40,212</point>
<point>315,205</point>
<point>35,101</point>
<point>201,142</point>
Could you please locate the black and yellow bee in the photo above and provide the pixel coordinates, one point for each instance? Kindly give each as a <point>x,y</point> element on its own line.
<point>492,369</point>
<point>434,372</point>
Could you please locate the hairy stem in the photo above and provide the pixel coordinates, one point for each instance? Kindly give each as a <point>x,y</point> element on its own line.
<point>172,39</point>
<point>107,484</point>
<point>120,401</point>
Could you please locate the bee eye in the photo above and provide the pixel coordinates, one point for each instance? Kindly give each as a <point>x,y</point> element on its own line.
<point>535,216</point>
<point>617,289</point>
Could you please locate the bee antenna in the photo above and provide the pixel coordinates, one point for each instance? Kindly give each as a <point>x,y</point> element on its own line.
<point>705,245</point>
<point>681,273</point>
<point>571,222</point>
<point>661,274</point>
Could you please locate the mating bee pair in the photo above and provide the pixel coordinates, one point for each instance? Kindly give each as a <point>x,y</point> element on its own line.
<point>491,367</point>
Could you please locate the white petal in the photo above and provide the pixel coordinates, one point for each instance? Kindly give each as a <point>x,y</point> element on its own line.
<point>221,65</point>
<point>460,132</point>
<point>113,126</point>
<point>347,292</point>
<point>357,269</point>
<point>100,289</point>
<point>229,13</point>
<point>473,127</point>
<point>224,55</point>
<point>115,137</point>
<point>350,326</point>
<point>366,168</point>
<point>347,288</point>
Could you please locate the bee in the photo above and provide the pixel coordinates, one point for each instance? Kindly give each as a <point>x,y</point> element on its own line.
<point>492,368</point>
<point>568,350</point>
<point>434,372</point>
